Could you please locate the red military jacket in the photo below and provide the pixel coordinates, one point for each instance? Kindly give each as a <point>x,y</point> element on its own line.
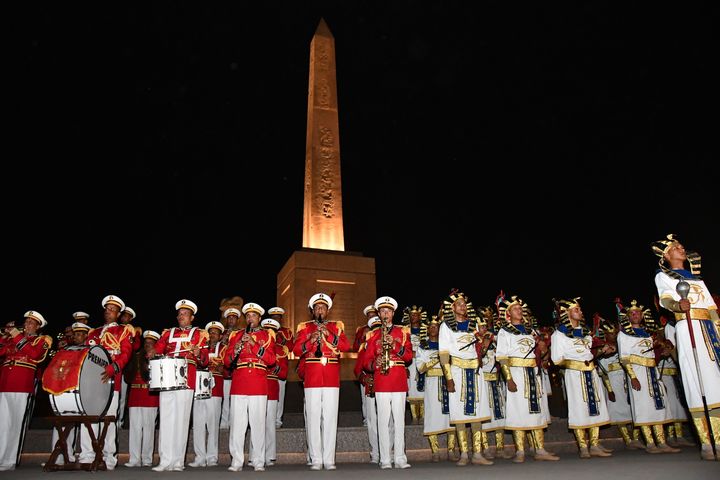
<point>177,342</point>
<point>216,355</point>
<point>21,357</point>
<point>360,334</point>
<point>359,371</point>
<point>139,395</point>
<point>137,338</point>
<point>400,355</point>
<point>279,371</point>
<point>324,370</point>
<point>117,340</point>
<point>249,367</point>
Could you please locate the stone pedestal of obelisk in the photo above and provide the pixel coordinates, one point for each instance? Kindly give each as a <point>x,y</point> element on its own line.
<point>322,265</point>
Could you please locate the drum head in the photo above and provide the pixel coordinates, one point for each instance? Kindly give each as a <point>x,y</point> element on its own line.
<point>95,395</point>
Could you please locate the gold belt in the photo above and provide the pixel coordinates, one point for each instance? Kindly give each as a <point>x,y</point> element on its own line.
<point>397,363</point>
<point>323,360</point>
<point>251,365</point>
<point>272,377</point>
<point>139,385</point>
<point>578,365</point>
<point>614,367</point>
<point>464,362</point>
<point>434,372</point>
<point>695,313</point>
<point>490,377</point>
<point>521,362</point>
<point>669,371</point>
<point>19,363</point>
<point>638,360</point>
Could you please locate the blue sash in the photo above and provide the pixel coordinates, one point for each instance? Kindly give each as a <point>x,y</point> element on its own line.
<point>469,391</point>
<point>590,388</point>
<point>420,382</point>
<point>656,393</point>
<point>443,395</point>
<point>495,392</point>
<point>533,404</point>
<point>711,336</point>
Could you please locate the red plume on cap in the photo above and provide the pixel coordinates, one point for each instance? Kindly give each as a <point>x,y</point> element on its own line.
<point>332,295</point>
<point>596,323</point>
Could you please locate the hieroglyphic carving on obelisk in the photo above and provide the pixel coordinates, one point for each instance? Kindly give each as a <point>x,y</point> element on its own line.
<point>322,217</point>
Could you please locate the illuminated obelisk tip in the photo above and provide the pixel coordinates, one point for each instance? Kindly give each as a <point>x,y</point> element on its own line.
<point>322,217</point>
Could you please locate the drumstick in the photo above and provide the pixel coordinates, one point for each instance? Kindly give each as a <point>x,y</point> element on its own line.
<point>188,349</point>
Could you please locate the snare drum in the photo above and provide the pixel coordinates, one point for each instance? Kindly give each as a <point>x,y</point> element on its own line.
<point>168,373</point>
<point>73,381</point>
<point>203,384</point>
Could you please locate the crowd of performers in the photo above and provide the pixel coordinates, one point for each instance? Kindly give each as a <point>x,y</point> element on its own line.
<point>469,373</point>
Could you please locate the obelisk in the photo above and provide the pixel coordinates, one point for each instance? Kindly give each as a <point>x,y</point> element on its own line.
<point>322,217</point>
<point>323,265</point>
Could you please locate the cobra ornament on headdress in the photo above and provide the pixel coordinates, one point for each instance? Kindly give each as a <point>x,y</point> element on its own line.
<point>448,316</point>
<point>424,324</point>
<point>504,313</point>
<point>650,325</point>
<point>661,247</point>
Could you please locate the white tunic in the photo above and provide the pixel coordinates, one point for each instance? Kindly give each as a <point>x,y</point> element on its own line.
<point>495,386</point>
<point>462,410</point>
<point>523,411</point>
<point>620,410</point>
<point>586,403</point>
<point>413,394</point>
<point>434,422</point>
<point>648,403</point>
<point>670,375</point>
<point>700,298</point>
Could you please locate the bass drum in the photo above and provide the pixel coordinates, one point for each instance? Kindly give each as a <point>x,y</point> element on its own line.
<point>73,380</point>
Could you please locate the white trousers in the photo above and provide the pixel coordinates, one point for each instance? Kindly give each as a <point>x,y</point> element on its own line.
<point>225,414</point>
<point>142,435</point>
<point>248,410</point>
<point>281,404</point>
<point>123,401</point>
<point>363,405</point>
<point>87,454</point>
<point>175,408</point>
<point>206,419</point>
<point>12,412</point>
<point>391,405</point>
<point>372,427</point>
<point>70,441</point>
<point>321,423</point>
<point>270,437</point>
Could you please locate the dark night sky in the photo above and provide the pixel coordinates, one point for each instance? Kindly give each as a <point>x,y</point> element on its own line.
<point>160,150</point>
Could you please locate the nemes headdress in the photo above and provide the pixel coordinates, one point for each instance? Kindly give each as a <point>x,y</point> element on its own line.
<point>504,307</point>
<point>561,308</point>
<point>434,320</point>
<point>661,247</point>
<point>448,316</point>
<point>414,309</point>
<point>490,318</point>
<point>624,318</point>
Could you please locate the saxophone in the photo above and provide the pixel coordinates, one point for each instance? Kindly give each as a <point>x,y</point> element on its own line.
<point>385,359</point>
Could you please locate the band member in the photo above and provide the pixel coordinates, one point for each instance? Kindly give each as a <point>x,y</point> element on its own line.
<point>116,340</point>
<point>183,341</point>
<point>127,316</point>
<point>20,353</point>
<point>670,375</point>
<point>647,395</point>
<point>318,343</point>
<point>275,373</point>
<point>206,411</point>
<point>388,352</point>
<point>231,316</point>
<point>496,388</point>
<point>616,386</point>
<point>248,355</point>
<point>79,333</point>
<point>436,420</point>
<point>360,334</point>
<point>570,349</point>
<point>142,405</point>
<point>284,339</point>
<point>703,313</point>
<point>460,364</point>
<point>516,356</point>
<point>366,382</point>
<point>413,317</point>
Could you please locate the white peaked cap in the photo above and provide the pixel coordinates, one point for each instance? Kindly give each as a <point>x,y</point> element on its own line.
<point>184,303</point>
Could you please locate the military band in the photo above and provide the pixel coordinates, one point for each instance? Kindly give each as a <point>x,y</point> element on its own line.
<point>488,371</point>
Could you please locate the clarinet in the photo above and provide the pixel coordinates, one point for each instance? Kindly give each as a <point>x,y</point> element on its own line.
<point>318,350</point>
<point>233,363</point>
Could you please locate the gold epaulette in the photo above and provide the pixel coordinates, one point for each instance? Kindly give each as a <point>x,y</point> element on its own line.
<point>339,325</point>
<point>405,328</point>
<point>45,338</point>
<point>301,326</point>
<point>203,335</point>
<point>138,331</point>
